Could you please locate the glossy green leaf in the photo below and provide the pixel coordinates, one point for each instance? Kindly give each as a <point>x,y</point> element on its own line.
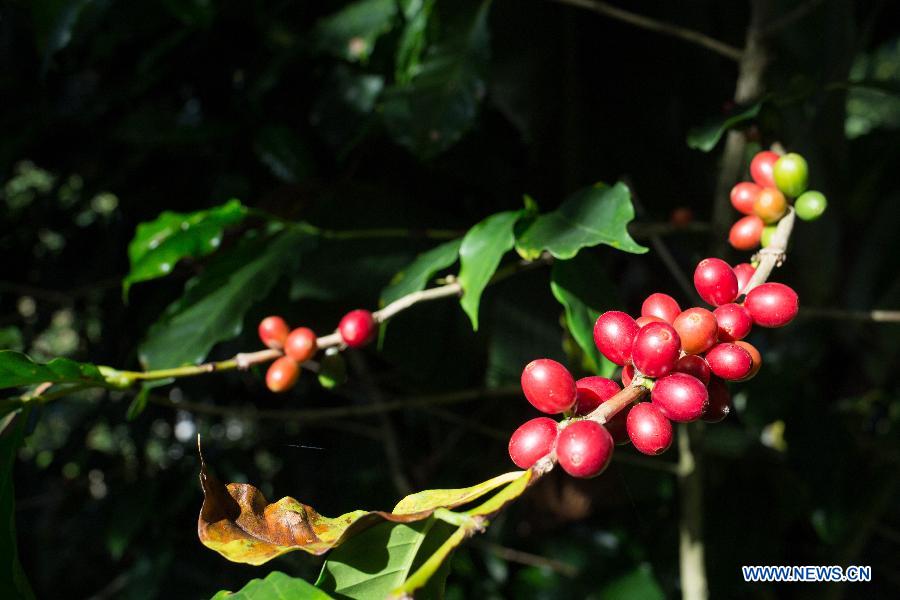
<point>159,244</point>
<point>439,103</point>
<point>351,33</point>
<point>17,369</point>
<point>583,289</point>
<point>707,136</point>
<point>432,499</point>
<point>416,14</point>
<point>592,216</point>
<point>479,256</point>
<point>13,583</point>
<point>275,586</point>
<point>213,305</point>
<point>416,276</point>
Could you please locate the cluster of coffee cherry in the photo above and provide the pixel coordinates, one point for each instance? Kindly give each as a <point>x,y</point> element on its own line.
<point>683,357</point>
<point>357,328</point>
<point>764,201</point>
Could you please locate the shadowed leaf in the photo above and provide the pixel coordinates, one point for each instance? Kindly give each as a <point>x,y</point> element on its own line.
<point>351,32</point>
<point>705,137</point>
<point>16,369</point>
<point>415,276</point>
<point>275,586</point>
<point>13,583</point>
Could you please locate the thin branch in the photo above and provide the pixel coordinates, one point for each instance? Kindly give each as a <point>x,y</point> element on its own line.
<point>677,31</point>
<point>773,255</point>
<point>527,558</point>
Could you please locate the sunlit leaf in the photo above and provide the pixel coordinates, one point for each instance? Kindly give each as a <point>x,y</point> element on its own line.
<point>158,245</point>
<point>439,103</point>
<point>351,32</point>
<point>214,303</point>
<point>705,137</point>
<point>275,586</point>
<point>479,256</point>
<point>17,369</point>
<point>595,215</point>
<point>431,499</point>
<point>415,277</point>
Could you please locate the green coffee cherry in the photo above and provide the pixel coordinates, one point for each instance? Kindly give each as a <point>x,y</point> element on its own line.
<point>767,233</point>
<point>810,205</point>
<point>790,173</point>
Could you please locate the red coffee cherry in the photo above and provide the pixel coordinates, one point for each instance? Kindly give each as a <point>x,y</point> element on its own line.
<point>755,356</point>
<point>662,306</point>
<point>695,366</point>
<point>656,349</point>
<point>627,375</point>
<point>282,374</point>
<point>772,304</point>
<point>642,321</point>
<point>734,322</point>
<point>680,397</point>
<point>697,329</point>
<point>548,386</point>
<point>762,166</point>
<point>614,334</point>
<point>729,361</point>
<point>584,449</point>
<point>770,205</point>
<point>719,401</point>
<point>357,328</point>
<point>532,441</point>
<point>744,272</point>
<point>715,281</point>
<point>301,344</point>
<point>594,391</point>
<point>650,431</point>
<point>273,331</point>
<point>743,195</point>
<point>746,232</point>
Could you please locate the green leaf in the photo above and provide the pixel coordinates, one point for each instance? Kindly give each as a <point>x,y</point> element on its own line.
<point>432,499</point>
<point>592,216</point>
<point>416,275</point>
<point>377,561</point>
<point>639,583</point>
<point>13,583</point>
<point>412,41</point>
<point>159,244</point>
<point>479,256</point>
<point>707,136</point>
<point>284,153</point>
<point>139,403</point>
<point>275,586</point>
<point>583,289</point>
<point>332,370</point>
<point>16,370</point>
<point>351,33</point>
<point>439,103</point>
<point>214,303</point>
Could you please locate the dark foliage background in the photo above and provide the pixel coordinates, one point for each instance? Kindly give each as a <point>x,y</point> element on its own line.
<point>115,111</point>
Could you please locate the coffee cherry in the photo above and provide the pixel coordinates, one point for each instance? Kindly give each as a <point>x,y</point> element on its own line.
<point>770,205</point>
<point>532,441</point>
<point>681,216</point>
<point>761,168</point>
<point>627,375</point>
<point>680,397</point>
<point>548,386</point>
<point>772,304</point>
<point>765,238</point>
<point>282,374</point>
<point>745,233</point>
<point>810,205</point>
<point>697,330</point>
<point>357,328</point>
<point>734,322</point>
<point>614,334</point>
<point>273,331</point>
<point>719,401</point>
<point>650,431</point>
<point>755,356</point>
<point>744,272</point>
<point>695,366</point>
<point>790,173</point>
<point>594,391</point>
<point>656,349</point>
<point>584,449</point>
<point>642,321</point>
<point>301,344</point>
<point>715,281</point>
<point>659,305</point>
<point>743,195</point>
<point>729,361</point>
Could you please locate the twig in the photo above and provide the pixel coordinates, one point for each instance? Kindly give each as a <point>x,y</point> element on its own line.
<point>683,33</point>
<point>527,558</point>
<point>691,551</point>
<point>773,255</point>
